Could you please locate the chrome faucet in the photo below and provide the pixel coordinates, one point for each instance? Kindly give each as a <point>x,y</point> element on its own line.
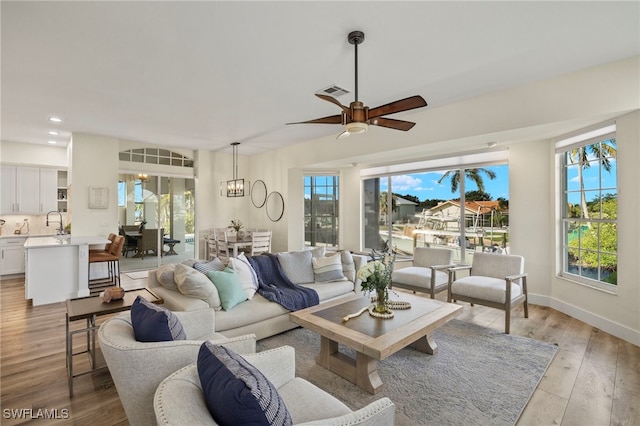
<point>60,230</point>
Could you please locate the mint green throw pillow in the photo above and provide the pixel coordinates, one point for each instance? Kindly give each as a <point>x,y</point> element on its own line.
<point>229,287</point>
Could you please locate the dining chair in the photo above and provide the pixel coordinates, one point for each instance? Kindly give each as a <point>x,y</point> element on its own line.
<point>149,241</point>
<point>260,242</point>
<point>130,243</point>
<point>212,251</point>
<point>495,280</point>
<point>221,242</point>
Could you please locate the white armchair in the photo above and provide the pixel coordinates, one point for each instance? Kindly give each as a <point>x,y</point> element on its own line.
<point>137,368</point>
<point>427,273</point>
<point>495,280</point>
<point>179,399</point>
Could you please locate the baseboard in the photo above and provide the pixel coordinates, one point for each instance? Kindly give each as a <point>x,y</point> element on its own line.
<point>621,331</point>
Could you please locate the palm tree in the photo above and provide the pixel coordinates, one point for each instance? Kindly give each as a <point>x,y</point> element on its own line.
<point>603,151</point>
<point>472,174</point>
<point>384,208</point>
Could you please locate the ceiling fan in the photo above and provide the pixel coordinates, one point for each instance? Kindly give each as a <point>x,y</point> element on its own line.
<point>357,117</point>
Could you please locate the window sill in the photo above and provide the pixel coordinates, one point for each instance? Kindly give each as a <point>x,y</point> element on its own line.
<point>591,285</point>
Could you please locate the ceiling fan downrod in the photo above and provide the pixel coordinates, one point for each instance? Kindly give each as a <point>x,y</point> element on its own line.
<point>356,38</point>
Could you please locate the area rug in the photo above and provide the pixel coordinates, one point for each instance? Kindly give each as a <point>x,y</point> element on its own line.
<point>479,376</point>
<point>137,275</point>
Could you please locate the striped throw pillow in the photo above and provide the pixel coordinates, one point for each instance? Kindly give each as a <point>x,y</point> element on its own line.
<point>328,268</point>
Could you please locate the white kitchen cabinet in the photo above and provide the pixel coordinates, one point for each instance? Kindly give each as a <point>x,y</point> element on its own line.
<point>8,192</point>
<point>48,190</point>
<point>28,190</point>
<point>12,255</point>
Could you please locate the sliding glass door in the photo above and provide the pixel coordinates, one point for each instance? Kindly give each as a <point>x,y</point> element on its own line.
<point>156,215</point>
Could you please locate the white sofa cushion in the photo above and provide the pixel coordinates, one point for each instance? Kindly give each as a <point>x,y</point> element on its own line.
<point>485,288</point>
<point>297,266</point>
<point>327,268</point>
<point>254,311</point>
<point>246,274</point>
<point>330,290</point>
<point>348,265</point>
<point>195,284</point>
<point>166,276</point>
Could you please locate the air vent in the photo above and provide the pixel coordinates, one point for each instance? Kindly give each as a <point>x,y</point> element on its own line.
<point>333,91</point>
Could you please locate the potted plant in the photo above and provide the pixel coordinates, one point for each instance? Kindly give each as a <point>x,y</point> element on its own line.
<point>236,225</point>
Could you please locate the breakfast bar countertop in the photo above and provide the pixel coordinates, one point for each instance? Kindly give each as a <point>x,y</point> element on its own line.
<point>64,240</point>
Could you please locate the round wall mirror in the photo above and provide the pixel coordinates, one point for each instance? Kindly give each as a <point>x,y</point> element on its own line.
<point>258,193</point>
<point>275,206</point>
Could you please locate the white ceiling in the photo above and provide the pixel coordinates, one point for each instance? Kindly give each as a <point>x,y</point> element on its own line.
<point>204,74</point>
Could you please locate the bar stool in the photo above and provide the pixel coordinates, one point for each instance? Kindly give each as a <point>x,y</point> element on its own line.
<point>107,246</point>
<point>112,257</point>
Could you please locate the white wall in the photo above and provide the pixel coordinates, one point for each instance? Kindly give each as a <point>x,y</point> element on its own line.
<point>94,163</point>
<point>33,154</point>
<point>617,312</point>
<point>530,203</point>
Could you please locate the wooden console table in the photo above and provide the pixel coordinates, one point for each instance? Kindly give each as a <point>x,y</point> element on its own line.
<point>89,308</point>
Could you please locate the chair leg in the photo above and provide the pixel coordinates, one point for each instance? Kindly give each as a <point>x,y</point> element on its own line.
<point>507,320</point>
<point>116,267</point>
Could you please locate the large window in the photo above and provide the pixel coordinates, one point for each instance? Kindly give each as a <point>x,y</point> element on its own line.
<point>590,207</point>
<point>438,208</point>
<point>321,210</point>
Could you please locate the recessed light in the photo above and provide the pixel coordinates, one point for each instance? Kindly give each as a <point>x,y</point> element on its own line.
<point>52,142</point>
<point>492,144</point>
<point>52,133</point>
<point>55,119</point>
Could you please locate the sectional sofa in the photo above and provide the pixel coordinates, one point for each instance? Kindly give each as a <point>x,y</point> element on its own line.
<point>313,269</point>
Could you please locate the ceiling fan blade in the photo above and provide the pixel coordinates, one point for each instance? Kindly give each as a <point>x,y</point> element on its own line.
<point>392,123</point>
<point>332,119</point>
<point>334,101</point>
<point>398,106</point>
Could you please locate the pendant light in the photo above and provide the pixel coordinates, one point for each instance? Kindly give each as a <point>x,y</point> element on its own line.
<point>235,187</point>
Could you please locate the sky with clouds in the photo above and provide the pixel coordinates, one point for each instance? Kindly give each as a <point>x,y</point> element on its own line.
<point>425,186</point>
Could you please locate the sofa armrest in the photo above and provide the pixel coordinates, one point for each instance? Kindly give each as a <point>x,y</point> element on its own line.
<point>179,400</point>
<point>152,279</point>
<point>245,344</point>
<point>278,365</point>
<point>381,412</point>
<point>360,262</point>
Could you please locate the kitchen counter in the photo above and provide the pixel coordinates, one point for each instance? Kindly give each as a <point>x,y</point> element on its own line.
<point>57,267</point>
<point>59,240</point>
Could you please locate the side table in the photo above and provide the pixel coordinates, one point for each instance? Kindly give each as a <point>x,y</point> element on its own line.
<point>89,308</point>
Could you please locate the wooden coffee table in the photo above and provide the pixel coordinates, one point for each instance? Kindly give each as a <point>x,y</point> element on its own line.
<point>372,338</point>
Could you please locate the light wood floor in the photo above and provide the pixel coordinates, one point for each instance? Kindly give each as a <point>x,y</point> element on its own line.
<point>593,380</point>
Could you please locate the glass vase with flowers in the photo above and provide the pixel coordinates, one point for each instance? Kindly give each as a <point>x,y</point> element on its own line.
<point>376,277</point>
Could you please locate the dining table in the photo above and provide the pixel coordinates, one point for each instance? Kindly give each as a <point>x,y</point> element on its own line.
<point>236,243</point>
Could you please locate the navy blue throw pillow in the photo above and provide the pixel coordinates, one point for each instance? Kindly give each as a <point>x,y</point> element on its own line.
<point>236,392</point>
<point>153,323</point>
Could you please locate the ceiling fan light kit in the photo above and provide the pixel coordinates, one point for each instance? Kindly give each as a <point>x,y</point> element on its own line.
<point>357,117</point>
<point>356,127</point>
